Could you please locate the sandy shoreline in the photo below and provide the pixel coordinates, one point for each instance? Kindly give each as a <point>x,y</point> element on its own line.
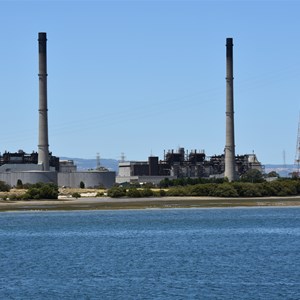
<point>104,203</point>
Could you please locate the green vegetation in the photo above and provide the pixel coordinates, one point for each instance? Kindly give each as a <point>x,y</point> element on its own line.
<point>165,183</point>
<point>253,176</point>
<point>4,187</point>
<point>19,184</point>
<point>251,185</point>
<point>273,174</point>
<point>81,185</point>
<point>287,187</point>
<point>116,192</point>
<point>76,195</point>
<point>133,192</point>
<point>41,191</point>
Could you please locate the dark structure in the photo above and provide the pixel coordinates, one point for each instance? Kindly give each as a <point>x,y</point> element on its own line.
<point>43,145</point>
<point>230,146</point>
<point>194,164</point>
<point>21,157</point>
<point>153,166</point>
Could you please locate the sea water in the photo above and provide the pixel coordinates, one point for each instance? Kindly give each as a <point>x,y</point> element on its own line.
<point>247,253</point>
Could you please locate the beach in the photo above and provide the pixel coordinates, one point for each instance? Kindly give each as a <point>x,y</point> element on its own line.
<point>106,203</point>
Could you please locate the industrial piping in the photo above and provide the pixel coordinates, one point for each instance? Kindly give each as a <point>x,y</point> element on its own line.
<point>43,146</point>
<point>230,146</point>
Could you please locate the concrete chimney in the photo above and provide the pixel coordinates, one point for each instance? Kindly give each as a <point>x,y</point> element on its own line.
<point>230,146</point>
<point>43,146</point>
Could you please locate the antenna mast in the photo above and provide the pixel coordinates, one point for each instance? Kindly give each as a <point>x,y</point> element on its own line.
<point>98,161</point>
<point>297,156</point>
<point>123,157</point>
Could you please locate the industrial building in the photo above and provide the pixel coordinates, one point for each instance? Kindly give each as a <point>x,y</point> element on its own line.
<point>195,164</point>
<point>22,166</point>
<point>180,164</point>
<point>42,166</point>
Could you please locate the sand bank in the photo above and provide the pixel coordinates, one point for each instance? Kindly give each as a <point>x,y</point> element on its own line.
<point>104,203</point>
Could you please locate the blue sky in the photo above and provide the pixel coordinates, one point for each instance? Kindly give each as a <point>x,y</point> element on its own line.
<point>141,77</point>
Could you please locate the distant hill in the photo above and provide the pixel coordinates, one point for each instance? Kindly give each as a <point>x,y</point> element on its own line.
<point>86,164</point>
<point>282,170</point>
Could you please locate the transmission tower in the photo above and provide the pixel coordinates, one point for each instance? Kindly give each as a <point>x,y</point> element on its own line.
<point>122,157</point>
<point>98,161</point>
<point>297,157</point>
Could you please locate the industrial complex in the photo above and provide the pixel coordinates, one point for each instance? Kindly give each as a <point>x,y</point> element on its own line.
<point>195,164</point>
<point>42,166</point>
<point>180,164</point>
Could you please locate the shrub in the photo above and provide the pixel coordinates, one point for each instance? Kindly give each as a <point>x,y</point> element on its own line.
<point>76,195</point>
<point>247,189</point>
<point>297,185</point>
<point>165,183</point>
<point>24,197</point>
<point>133,193</point>
<point>42,191</point>
<point>81,185</point>
<point>176,191</point>
<point>146,192</point>
<point>252,175</point>
<point>162,193</point>
<point>148,185</point>
<point>13,197</point>
<point>287,188</point>
<point>116,192</point>
<point>4,197</point>
<point>224,190</point>
<point>4,187</point>
<point>19,184</point>
<point>206,189</point>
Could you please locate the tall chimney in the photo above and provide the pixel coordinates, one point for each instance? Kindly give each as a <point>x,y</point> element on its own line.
<point>230,146</point>
<point>43,146</point>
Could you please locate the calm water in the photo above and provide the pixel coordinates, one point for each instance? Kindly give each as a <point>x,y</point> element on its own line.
<point>154,254</point>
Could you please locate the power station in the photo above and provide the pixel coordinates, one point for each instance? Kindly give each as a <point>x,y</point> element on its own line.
<point>181,164</point>
<point>42,166</point>
<point>195,164</point>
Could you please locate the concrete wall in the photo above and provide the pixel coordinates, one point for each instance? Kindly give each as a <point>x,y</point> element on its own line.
<point>73,179</point>
<point>22,168</point>
<point>31,177</point>
<point>90,179</point>
<point>143,179</point>
<point>125,169</point>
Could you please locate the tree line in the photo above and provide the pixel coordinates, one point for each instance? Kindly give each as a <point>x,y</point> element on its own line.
<point>33,191</point>
<point>250,184</point>
<point>288,187</point>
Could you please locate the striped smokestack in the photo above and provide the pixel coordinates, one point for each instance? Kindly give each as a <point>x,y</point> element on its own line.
<point>230,146</point>
<point>43,146</point>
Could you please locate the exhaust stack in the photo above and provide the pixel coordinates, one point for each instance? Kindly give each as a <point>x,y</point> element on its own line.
<point>43,146</point>
<point>230,146</point>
